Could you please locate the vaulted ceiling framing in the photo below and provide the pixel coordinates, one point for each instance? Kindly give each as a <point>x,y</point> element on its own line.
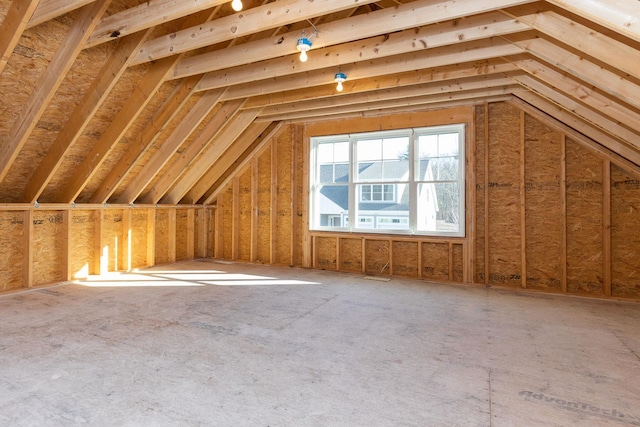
<point>125,101</point>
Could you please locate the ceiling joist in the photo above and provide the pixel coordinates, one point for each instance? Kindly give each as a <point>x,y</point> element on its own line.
<point>258,19</point>
<point>411,16</point>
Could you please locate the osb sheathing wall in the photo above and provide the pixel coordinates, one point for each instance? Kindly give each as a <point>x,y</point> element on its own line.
<point>553,214</point>
<point>39,246</point>
<point>544,211</point>
<point>258,216</point>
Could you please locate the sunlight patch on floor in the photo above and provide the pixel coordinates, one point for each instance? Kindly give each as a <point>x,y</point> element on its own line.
<point>162,278</point>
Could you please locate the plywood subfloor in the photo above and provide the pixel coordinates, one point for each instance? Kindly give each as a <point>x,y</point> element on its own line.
<point>199,343</point>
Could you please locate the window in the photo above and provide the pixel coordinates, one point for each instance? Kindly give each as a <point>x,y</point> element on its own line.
<point>407,181</point>
<point>377,193</point>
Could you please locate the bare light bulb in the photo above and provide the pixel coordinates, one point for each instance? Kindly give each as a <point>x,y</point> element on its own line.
<point>339,78</point>
<point>236,5</point>
<point>303,56</point>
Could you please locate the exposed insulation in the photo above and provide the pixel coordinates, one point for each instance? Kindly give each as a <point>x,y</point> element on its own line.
<point>405,259</point>
<point>11,249</point>
<point>264,207</point>
<point>544,210</point>
<point>325,249</point>
<point>244,217</point>
<point>584,220</point>
<point>283,203</point>
<point>480,257</point>
<point>182,232</point>
<point>435,261</point>
<point>139,219</point>
<point>505,265</point>
<point>83,244</point>
<point>162,236</point>
<point>377,257</point>
<point>350,254</point>
<point>625,234</point>
<point>47,245</point>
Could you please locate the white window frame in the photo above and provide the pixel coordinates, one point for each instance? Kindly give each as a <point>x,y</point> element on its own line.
<point>393,197</point>
<point>351,223</point>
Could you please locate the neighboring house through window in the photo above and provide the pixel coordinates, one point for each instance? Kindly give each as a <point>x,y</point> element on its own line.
<point>377,193</point>
<point>402,181</point>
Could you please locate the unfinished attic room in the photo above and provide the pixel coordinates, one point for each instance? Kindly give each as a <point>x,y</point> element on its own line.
<point>320,213</point>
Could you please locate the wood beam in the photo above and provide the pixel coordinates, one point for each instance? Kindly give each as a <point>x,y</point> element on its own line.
<point>576,128</point>
<point>581,92</point>
<point>27,249</point>
<point>146,15</point>
<point>422,105</point>
<point>445,56</point>
<point>149,134</point>
<point>50,9</point>
<point>415,102</point>
<point>606,227</point>
<point>405,93</point>
<point>450,72</point>
<point>235,218</point>
<point>15,22</point>
<point>375,48</point>
<point>124,118</point>
<point>190,153</point>
<point>221,142</point>
<point>97,93</point>
<point>411,16</point>
<point>610,51</point>
<point>187,125</point>
<point>607,81</point>
<point>49,83</point>
<point>523,204</point>
<point>175,102</point>
<point>620,16</point>
<point>171,231</point>
<point>255,136</point>
<point>629,145</point>
<point>253,20</point>
<point>151,237</point>
<point>117,129</point>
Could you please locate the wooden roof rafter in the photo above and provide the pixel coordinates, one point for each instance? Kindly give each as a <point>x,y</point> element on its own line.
<point>49,82</point>
<point>574,126</point>
<point>194,117</point>
<point>620,16</point>
<point>80,118</point>
<point>248,144</point>
<point>361,51</point>
<point>628,145</point>
<point>12,27</point>
<point>417,34</point>
<point>124,118</point>
<point>271,15</point>
<point>220,143</point>
<point>382,82</point>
